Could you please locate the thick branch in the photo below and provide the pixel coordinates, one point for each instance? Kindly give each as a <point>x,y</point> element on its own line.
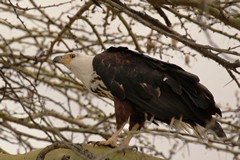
<point>62,150</point>
<point>210,7</point>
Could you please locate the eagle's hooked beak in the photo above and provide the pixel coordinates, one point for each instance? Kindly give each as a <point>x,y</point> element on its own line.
<point>65,59</point>
<point>57,59</point>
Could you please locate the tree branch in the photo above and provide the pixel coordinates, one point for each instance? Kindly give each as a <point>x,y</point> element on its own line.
<point>210,7</point>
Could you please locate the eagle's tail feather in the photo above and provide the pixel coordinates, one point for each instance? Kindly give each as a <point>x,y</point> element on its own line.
<point>216,127</point>
<point>218,130</point>
<point>212,125</point>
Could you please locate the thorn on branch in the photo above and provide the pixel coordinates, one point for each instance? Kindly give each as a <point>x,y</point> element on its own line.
<point>233,77</point>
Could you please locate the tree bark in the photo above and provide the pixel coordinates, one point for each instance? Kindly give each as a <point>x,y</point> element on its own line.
<point>84,152</point>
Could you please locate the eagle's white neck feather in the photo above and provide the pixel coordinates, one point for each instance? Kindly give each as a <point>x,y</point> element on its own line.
<point>81,67</point>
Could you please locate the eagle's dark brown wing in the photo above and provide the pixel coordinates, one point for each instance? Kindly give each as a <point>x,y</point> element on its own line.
<point>160,89</point>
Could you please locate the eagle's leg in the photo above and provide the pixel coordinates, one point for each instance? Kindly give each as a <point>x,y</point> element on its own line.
<point>112,141</point>
<point>127,140</point>
<point>123,111</point>
<point>137,120</point>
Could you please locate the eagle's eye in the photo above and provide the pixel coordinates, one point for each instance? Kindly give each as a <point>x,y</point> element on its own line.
<point>72,55</point>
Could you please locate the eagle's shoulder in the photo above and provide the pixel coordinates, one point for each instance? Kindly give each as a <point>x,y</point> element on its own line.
<point>121,49</point>
<point>116,56</point>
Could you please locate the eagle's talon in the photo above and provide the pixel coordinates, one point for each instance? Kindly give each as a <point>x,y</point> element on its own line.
<point>102,143</point>
<point>134,148</point>
<point>89,142</point>
<point>94,143</point>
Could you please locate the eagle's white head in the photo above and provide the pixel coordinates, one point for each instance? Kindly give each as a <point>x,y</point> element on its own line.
<point>79,64</point>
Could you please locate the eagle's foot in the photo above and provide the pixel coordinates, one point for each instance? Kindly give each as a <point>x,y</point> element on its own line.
<point>134,148</point>
<point>108,143</point>
<point>127,147</point>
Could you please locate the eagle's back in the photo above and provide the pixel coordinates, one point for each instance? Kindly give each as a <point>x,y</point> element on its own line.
<point>160,89</point>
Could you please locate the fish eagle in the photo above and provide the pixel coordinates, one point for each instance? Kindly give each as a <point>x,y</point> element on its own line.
<point>144,88</point>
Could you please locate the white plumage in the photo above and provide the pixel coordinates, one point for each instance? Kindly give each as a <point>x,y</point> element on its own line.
<point>81,67</point>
